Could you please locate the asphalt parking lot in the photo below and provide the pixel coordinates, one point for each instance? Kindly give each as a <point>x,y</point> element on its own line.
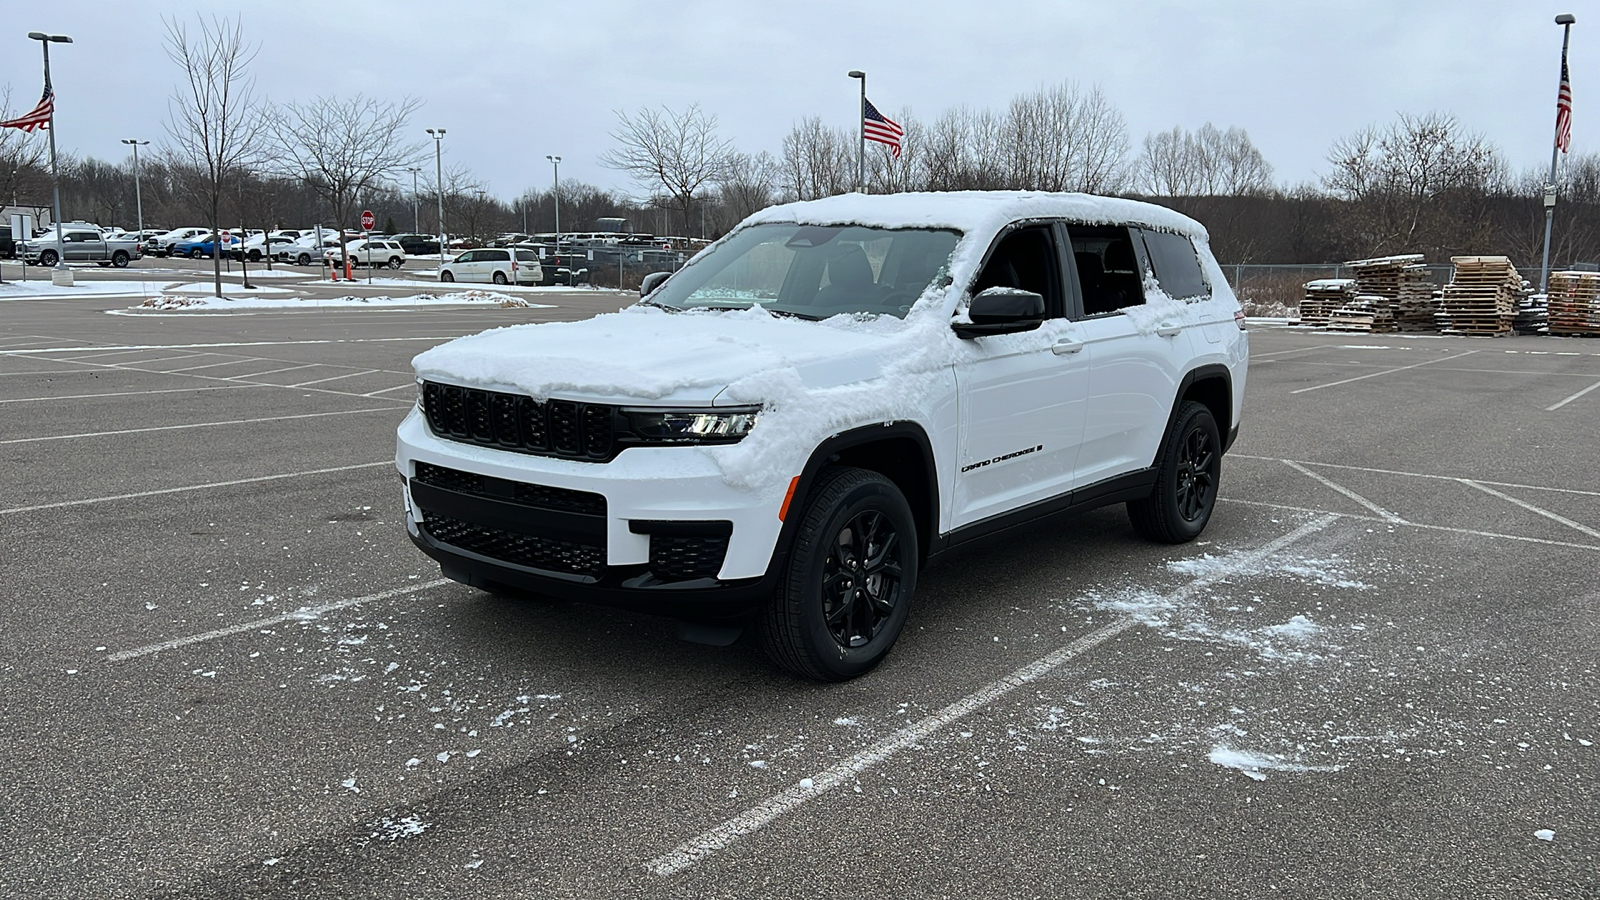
<point>229,674</point>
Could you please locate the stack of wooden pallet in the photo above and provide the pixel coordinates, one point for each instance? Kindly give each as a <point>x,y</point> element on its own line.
<point>1364,313</point>
<point>1382,281</point>
<point>1323,296</point>
<point>1416,302</point>
<point>1574,303</point>
<point>1482,298</point>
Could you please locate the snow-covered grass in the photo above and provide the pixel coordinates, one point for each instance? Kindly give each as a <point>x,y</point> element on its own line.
<point>207,287</point>
<point>16,289</point>
<point>240,302</point>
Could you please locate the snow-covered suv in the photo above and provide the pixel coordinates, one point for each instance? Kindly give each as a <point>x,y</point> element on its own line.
<point>837,392</point>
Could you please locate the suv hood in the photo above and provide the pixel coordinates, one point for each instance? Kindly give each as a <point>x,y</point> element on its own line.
<point>646,353</point>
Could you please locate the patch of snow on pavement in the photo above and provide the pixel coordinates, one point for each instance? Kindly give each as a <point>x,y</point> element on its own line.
<point>1256,765</point>
<point>476,298</point>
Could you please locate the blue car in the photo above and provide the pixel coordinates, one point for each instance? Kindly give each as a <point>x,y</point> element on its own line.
<point>204,246</point>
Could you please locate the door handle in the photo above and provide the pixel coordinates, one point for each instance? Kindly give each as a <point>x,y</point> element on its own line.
<point>1167,329</point>
<point>1063,347</point>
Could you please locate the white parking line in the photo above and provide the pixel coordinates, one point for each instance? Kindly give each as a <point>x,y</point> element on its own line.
<point>1572,398</point>
<point>692,851</point>
<point>1387,515</point>
<point>337,377</point>
<point>1384,372</point>
<point>193,390</point>
<point>32,350</point>
<point>192,487</point>
<point>1447,528</point>
<point>95,434</point>
<point>1509,484</point>
<point>410,385</point>
<point>1531,508</point>
<point>304,614</point>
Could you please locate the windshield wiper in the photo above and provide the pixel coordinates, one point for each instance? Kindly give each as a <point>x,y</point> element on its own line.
<point>649,302</point>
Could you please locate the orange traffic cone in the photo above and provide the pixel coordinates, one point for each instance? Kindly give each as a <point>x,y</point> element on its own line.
<point>348,275</point>
<point>333,271</point>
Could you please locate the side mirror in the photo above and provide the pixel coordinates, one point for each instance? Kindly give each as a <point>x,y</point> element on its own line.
<point>1001,310</point>
<point>651,282</point>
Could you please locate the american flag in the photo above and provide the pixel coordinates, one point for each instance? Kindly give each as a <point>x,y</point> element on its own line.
<point>39,117</point>
<point>1564,109</point>
<point>877,127</point>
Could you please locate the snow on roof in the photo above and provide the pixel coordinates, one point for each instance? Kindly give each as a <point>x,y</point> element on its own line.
<point>1386,260</point>
<point>977,212</point>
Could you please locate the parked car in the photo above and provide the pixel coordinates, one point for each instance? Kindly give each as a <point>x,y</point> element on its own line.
<point>162,245</point>
<point>306,251</point>
<point>494,265</point>
<point>260,246</point>
<point>419,244</point>
<point>8,244</point>
<point>202,246</point>
<point>369,252</point>
<point>876,391</point>
<point>78,244</point>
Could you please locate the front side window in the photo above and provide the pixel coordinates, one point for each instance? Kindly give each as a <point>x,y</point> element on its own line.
<point>814,271</point>
<point>1026,259</point>
<point>1109,272</point>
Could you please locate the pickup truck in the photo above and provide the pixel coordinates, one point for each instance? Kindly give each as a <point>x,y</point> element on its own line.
<point>79,245</point>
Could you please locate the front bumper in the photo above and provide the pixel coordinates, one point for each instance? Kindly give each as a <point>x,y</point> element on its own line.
<point>652,542</point>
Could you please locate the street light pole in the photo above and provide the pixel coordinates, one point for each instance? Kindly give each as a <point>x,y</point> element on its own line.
<point>1565,20</point>
<point>555,191</point>
<point>416,208</point>
<point>138,198</point>
<point>45,40</point>
<point>438,176</point>
<point>861,126</point>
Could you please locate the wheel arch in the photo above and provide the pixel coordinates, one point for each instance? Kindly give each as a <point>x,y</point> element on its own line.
<point>899,451</point>
<point>1212,387</point>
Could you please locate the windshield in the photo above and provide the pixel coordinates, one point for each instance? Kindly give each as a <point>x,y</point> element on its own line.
<point>814,271</point>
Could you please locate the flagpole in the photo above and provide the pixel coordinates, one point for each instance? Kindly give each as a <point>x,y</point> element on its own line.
<point>861,142</point>
<point>55,173</point>
<point>1565,20</point>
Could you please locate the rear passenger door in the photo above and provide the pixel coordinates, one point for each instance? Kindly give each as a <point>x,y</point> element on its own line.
<point>1139,348</point>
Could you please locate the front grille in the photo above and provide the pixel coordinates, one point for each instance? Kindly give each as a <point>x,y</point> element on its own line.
<point>535,495</point>
<point>548,554</point>
<point>585,431</point>
<point>684,558</point>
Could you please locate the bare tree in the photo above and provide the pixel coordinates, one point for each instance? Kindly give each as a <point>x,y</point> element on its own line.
<point>818,161</point>
<point>213,121</point>
<point>680,151</point>
<point>746,186</point>
<point>1207,162</point>
<point>1422,183</point>
<point>890,174</point>
<point>343,148</point>
<point>1063,139</point>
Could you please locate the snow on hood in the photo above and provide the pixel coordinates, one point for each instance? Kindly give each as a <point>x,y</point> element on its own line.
<point>646,353</point>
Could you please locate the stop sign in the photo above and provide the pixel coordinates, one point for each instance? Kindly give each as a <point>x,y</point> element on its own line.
<point>368,220</point>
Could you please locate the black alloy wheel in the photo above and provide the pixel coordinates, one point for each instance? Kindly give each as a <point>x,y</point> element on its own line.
<point>395,262</point>
<point>848,578</point>
<point>304,260</point>
<point>861,579</point>
<point>120,259</point>
<point>1188,471</point>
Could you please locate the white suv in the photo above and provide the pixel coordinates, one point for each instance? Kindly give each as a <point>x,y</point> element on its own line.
<point>822,402</point>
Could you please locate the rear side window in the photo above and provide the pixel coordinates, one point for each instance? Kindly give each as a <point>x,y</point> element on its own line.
<point>1108,267</point>
<point>1177,266</point>
<point>493,256</point>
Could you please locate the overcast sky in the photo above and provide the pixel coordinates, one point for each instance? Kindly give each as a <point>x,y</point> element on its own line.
<point>512,82</point>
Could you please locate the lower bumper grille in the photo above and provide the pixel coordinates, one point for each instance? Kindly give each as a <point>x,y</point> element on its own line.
<point>549,554</point>
<point>686,558</point>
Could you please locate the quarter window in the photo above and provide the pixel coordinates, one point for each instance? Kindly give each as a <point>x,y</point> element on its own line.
<point>1177,267</point>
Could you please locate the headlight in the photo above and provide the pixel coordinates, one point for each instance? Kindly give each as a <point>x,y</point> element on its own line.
<point>692,426</point>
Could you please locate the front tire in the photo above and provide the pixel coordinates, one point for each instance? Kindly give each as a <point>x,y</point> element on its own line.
<point>396,262</point>
<point>304,260</point>
<point>848,580</point>
<point>447,276</point>
<point>48,259</point>
<point>1187,473</point>
<point>195,254</point>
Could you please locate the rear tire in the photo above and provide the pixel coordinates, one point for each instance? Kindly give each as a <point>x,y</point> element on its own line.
<point>499,278</point>
<point>120,259</point>
<point>848,580</point>
<point>1187,472</point>
<point>396,262</point>
<point>304,260</point>
<point>48,259</point>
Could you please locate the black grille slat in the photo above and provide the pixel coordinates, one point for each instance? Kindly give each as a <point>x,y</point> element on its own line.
<point>539,496</point>
<point>564,427</point>
<point>674,558</point>
<point>516,422</point>
<point>548,554</point>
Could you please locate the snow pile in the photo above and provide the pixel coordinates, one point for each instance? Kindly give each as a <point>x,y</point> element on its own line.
<point>237,302</point>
